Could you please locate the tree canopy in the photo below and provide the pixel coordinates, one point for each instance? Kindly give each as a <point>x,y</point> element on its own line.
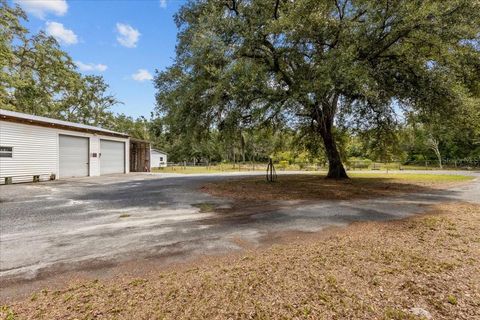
<point>38,77</point>
<point>319,66</point>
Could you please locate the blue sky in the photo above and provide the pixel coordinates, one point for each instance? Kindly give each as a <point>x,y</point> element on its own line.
<point>124,41</point>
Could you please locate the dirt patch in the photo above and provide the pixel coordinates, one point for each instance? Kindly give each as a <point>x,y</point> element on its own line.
<point>369,270</point>
<point>315,187</point>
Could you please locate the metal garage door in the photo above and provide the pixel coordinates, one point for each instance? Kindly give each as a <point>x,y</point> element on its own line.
<point>73,156</point>
<point>112,159</point>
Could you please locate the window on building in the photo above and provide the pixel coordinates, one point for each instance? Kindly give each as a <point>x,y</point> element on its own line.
<point>6,152</point>
<point>161,158</point>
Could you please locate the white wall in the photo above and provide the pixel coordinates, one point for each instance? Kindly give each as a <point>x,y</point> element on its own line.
<point>155,159</point>
<point>35,151</point>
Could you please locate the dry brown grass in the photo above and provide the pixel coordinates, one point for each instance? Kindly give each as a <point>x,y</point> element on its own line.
<point>368,270</point>
<point>315,187</point>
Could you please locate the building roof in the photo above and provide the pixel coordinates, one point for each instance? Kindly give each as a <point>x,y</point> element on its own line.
<point>18,117</point>
<point>159,151</point>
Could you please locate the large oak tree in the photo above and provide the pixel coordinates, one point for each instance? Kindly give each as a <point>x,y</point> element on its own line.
<point>38,77</point>
<point>319,64</point>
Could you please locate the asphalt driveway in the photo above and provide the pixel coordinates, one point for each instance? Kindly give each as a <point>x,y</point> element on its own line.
<point>67,225</point>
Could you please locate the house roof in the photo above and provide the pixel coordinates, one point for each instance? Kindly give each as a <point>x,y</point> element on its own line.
<point>18,117</point>
<point>159,151</point>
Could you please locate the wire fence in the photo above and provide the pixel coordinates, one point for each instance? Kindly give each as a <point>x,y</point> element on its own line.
<point>460,164</point>
<point>453,163</point>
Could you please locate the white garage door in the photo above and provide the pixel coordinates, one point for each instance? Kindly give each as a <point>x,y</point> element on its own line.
<point>73,156</point>
<point>112,159</point>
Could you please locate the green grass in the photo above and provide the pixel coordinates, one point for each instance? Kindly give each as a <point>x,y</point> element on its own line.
<point>399,166</point>
<point>396,314</point>
<point>419,177</point>
<point>211,169</point>
<point>262,167</point>
<point>204,206</point>
<point>7,313</point>
<point>452,299</point>
<point>414,176</point>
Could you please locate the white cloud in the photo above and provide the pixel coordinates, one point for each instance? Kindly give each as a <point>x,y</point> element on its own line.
<point>59,32</point>
<point>163,3</point>
<point>128,36</point>
<point>142,75</point>
<point>91,66</point>
<point>40,8</point>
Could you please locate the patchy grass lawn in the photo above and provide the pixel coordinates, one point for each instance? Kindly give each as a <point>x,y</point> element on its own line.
<point>313,187</point>
<point>415,177</point>
<point>261,168</point>
<point>369,270</point>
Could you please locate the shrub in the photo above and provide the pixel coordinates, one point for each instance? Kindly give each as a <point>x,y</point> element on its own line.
<point>283,164</point>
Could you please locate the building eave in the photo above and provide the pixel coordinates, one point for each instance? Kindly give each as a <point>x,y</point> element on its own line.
<point>17,117</point>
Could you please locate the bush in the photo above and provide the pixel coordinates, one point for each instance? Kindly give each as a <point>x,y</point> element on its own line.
<point>358,163</point>
<point>283,164</point>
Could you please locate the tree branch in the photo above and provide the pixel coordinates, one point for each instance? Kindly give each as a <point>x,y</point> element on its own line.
<point>232,6</point>
<point>275,12</point>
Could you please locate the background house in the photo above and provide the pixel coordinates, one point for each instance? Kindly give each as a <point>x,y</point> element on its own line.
<point>158,158</point>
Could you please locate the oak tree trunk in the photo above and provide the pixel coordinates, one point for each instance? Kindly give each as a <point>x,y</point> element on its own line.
<point>439,157</point>
<point>335,165</point>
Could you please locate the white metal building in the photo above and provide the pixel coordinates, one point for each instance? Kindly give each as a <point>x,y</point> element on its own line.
<point>158,158</point>
<point>33,147</point>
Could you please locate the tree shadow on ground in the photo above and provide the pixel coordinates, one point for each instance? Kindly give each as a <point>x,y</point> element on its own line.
<point>314,187</point>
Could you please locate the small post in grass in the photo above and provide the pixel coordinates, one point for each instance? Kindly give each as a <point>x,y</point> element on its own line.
<point>271,173</point>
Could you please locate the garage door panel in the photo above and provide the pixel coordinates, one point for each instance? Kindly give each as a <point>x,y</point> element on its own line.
<point>73,156</point>
<point>112,159</point>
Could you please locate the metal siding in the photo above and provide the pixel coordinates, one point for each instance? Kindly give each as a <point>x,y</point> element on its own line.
<point>34,151</point>
<point>155,159</point>
<point>112,159</point>
<point>74,156</point>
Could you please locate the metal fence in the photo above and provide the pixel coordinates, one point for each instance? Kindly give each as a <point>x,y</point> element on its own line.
<point>466,163</point>
<point>245,166</point>
<point>461,164</point>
